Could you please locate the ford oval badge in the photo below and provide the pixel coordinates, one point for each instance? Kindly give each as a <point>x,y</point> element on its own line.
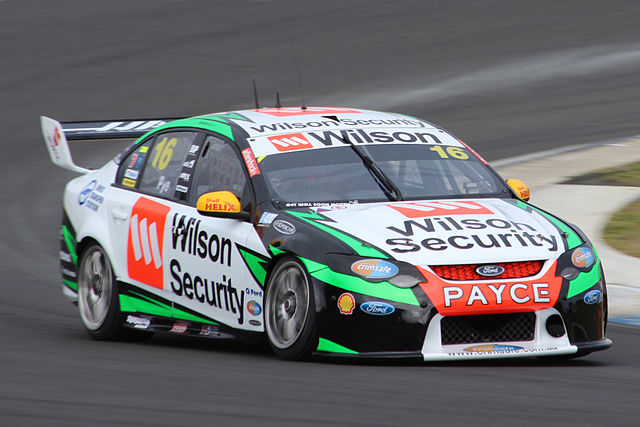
<point>490,270</point>
<point>592,297</point>
<point>377,308</point>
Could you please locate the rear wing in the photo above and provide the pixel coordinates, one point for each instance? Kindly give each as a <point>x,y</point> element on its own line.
<point>56,134</point>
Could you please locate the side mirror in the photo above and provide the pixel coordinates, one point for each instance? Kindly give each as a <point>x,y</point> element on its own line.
<point>520,188</point>
<point>222,204</point>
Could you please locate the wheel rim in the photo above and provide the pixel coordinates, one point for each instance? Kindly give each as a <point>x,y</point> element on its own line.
<point>94,288</point>
<point>287,305</point>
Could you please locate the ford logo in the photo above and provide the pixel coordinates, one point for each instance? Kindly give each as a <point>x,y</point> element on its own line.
<point>86,192</point>
<point>592,297</point>
<point>490,270</point>
<point>284,227</point>
<point>374,268</point>
<point>377,308</point>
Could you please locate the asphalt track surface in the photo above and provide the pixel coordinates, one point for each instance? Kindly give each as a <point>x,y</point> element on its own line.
<point>509,77</point>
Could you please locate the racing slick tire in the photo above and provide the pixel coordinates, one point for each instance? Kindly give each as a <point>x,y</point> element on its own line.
<point>98,298</point>
<point>290,320</point>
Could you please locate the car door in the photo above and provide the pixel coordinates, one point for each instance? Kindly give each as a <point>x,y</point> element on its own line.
<point>206,270</point>
<point>147,188</point>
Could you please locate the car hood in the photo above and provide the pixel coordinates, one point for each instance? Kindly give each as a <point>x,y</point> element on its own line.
<point>440,232</point>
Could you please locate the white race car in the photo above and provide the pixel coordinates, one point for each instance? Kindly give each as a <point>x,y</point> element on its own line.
<point>337,231</point>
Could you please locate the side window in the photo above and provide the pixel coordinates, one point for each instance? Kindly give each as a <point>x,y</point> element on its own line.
<point>218,169</point>
<point>164,163</point>
<point>130,168</point>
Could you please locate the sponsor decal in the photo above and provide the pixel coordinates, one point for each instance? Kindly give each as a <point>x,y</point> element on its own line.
<point>136,160</point>
<point>334,122</point>
<point>284,227</point>
<point>519,293</point>
<point>346,303</point>
<point>593,297</point>
<point>189,164</point>
<point>504,296</point>
<point>132,174</point>
<point>296,111</point>
<point>363,136</point>
<point>179,328</point>
<point>145,241</point>
<point>194,149</point>
<point>496,233</point>
<point>492,348</point>
<point>583,257</point>
<point>190,239</point>
<point>254,308</point>
<point>374,268</point>
<point>377,308</point>
<point>64,256</point>
<point>503,349</point>
<point>56,136</point>
<point>86,191</point>
<point>128,182</point>
<point>181,188</point>
<point>425,209</point>
<point>144,149</point>
<point>253,322</point>
<point>90,196</point>
<point>267,218</point>
<point>490,270</point>
<point>184,176</point>
<point>138,322</point>
<point>253,293</point>
<point>251,162</point>
<point>209,330</point>
<point>290,142</point>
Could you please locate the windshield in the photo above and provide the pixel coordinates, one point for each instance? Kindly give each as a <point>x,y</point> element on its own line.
<point>338,174</point>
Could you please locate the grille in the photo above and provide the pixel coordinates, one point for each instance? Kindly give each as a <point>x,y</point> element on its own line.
<point>487,328</point>
<point>512,270</point>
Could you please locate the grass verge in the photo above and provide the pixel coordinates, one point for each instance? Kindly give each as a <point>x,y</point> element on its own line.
<point>623,229</point>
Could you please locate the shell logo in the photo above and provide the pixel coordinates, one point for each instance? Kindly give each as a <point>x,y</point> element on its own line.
<point>346,303</point>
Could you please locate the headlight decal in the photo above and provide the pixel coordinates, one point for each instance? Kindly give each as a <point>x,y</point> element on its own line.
<point>383,290</point>
<point>585,280</point>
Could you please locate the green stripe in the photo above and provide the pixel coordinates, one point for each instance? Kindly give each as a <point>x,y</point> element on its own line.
<point>70,242</point>
<point>70,284</point>
<point>183,315</point>
<point>257,265</point>
<point>360,247</point>
<point>584,281</point>
<point>143,304</point>
<point>331,347</point>
<point>138,305</point>
<point>384,290</point>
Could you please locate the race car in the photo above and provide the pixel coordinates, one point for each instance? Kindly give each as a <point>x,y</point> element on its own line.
<point>331,231</point>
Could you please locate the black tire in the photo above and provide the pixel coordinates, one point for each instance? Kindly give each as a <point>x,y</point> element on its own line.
<point>289,313</point>
<point>98,302</point>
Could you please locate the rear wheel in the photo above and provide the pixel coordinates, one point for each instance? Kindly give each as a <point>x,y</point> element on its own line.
<point>98,297</point>
<point>290,311</point>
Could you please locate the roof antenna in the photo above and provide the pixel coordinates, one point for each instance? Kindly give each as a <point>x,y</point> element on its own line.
<point>295,59</point>
<point>278,105</point>
<point>255,94</point>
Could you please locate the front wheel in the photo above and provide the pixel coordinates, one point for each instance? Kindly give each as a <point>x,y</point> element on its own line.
<point>290,311</point>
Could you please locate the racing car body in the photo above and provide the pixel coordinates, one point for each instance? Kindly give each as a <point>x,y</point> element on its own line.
<point>334,231</point>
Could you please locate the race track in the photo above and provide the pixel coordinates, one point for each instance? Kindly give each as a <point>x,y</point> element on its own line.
<point>509,77</point>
